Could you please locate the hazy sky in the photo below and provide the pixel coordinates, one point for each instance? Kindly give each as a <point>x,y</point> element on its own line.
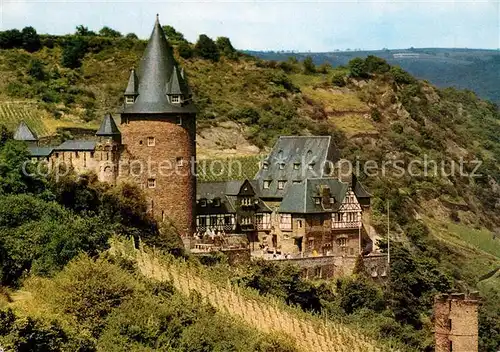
<point>278,25</point>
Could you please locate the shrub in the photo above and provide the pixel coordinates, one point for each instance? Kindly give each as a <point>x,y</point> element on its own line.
<point>225,47</point>
<point>73,53</point>
<point>206,48</point>
<point>400,76</point>
<point>185,50</point>
<point>376,115</point>
<point>357,68</point>
<point>308,65</point>
<point>358,292</point>
<point>31,40</point>
<point>375,64</point>
<point>36,70</point>
<point>172,34</point>
<point>338,79</point>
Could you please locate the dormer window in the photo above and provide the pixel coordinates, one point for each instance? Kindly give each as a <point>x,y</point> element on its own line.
<point>282,166</point>
<point>265,165</point>
<point>267,184</point>
<point>317,201</point>
<point>176,99</point>
<point>129,99</point>
<point>216,202</point>
<point>296,166</point>
<point>281,184</point>
<point>310,166</point>
<point>203,202</point>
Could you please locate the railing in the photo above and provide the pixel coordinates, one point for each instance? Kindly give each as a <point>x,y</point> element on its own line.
<point>263,226</point>
<point>225,228</point>
<point>346,225</point>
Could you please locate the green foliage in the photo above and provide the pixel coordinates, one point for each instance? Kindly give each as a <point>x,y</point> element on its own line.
<point>375,64</point>
<point>185,50</point>
<point>357,293</point>
<point>73,53</point>
<point>172,34</point>
<point>226,48</point>
<point>338,79</point>
<point>82,30</point>
<point>206,48</point>
<point>309,66</point>
<point>11,39</point>
<point>400,76</point>
<point>31,40</point>
<point>357,68</point>
<point>109,32</point>
<point>36,70</point>
<point>132,36</point>
<point>375,115</point>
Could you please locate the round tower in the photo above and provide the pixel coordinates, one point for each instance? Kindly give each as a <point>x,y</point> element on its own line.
<point>158,126</point>
<point>107,150</point>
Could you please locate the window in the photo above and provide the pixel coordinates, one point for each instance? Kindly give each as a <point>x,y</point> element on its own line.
<point>57,155</point>
<point>282,166</point>
<point>151,183</point>
<point>76,155</point>
<point>246,220</point>
<point>203,202</point>
<point>151,141</point>
<point>129,100</point>
<point>176,99</point>
<point>299,224</point>
<point>296,182</point>
<point>216,202</point>
<point>310,166</point>
<point>317,200</point>
<point>343,242</point>
<point>263,221</point>
<point>267,184</point>
<point>180,161</point>
<point>296,166</point>
<point>179,120</point>
<point>246,201</point>
<point>91,154</point>
<point>332,200</point>
<point>281,184</point>
<point>140,142</point>
<point>265,165</point>
<point>449,324</point>
<point>285,221</point>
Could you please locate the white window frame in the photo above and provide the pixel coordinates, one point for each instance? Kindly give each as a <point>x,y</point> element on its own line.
<point>151,141</point>
<point>267,184</point>
<point>203,202</point>
<point>296,166</point>
<point>179,161</point>
<point>129,99</point>
<point>281,184</point>
<point>246,201</point>
<point>285,221</point>
<point>176,99</point>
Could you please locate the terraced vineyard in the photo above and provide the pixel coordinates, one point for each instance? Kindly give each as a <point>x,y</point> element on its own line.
<point>11,113</point>
<point>310,333</point>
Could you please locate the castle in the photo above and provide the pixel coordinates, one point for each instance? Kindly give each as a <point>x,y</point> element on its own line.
<point>154,145</point>
<point>294,208</point>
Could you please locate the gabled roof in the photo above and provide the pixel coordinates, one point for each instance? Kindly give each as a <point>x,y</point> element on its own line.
<point>40,151</point>
<point>24,133</point>
<point>133,84</point>
<point>300,198</point>
<point>309,153</point>
<point>108,127</point>
<point>76,146</point>
<point>155,71</point>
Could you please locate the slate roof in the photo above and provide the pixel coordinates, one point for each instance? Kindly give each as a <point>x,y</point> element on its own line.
<point>154,74</point>
<point>108,127</point>
<point>40,151</point>
<point>24,133</point>
<point>133,84</point>
<point>300,198</point>
<point>303,151</point>
<point>77,145</point>
<point>177,85</point>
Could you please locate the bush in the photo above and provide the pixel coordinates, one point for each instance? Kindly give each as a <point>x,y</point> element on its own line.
<point>357,68</point>
<point>36,70</point>
<point>185,50</point>
<point>73,53</point>
<point>226,48</point>
<point>375,64</point>
<point>31,40</point>
<point>109,32</point>
<point>376,115</point>
<point>358,292</point>
<point>172,34</point>
<point>308,65</point>
<point>400,76</point>
<point>338,80</point>
<point>206,48</point>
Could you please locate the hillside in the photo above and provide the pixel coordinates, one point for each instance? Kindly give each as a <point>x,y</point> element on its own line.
<point>474,69</point>
<point>446,223</point>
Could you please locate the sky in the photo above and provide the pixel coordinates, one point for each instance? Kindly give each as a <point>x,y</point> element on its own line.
<point>277,25</point>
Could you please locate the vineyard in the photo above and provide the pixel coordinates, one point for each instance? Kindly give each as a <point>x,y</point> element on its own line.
<point>12,113</point>
<point>310,333</point>
<point>239,168</point>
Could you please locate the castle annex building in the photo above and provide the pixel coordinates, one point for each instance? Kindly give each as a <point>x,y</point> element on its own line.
<point>154,146</point>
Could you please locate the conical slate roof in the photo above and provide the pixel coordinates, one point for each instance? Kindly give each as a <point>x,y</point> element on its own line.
<point>108,127</point>
<point>154,74</point>
<point>24,133</point>
<point>133,84</point>
<point>177,85</point>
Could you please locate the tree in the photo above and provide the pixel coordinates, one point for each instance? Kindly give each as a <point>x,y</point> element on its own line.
<point>131,36</point>
<point>11,39</point>
<point>206,48</point>
<point>5,135</point>
<point>375,64</point>
<point>357,68</point>
<point>309,66</point>
<point>73,53</point>
<point>172,34</point>
<point>185,50</point>
<point>31,40</point>
<point>84,31</point>
<point>109,32</point>
<point>225,47</point>
<point>36,70</point>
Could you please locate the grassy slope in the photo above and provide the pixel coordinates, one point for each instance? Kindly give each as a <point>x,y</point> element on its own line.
<point>446,126</point>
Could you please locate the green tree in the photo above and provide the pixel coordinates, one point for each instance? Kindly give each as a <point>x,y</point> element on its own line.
<point>172,34</point>
<point>357,68</point>
<point>358,292</point>
<point>185,50</point>
<point>31,40</point>
<point>375,64</point>
<point>308,65</point>
<point>36,70</point>
<point>226,48</point>
<point>109,32</point>
<point>84,31</point>
<point>11,39</point>
<point>73,53</point>
<point>131,36</point>
<point>5,135</point>
<point>206,48</point>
